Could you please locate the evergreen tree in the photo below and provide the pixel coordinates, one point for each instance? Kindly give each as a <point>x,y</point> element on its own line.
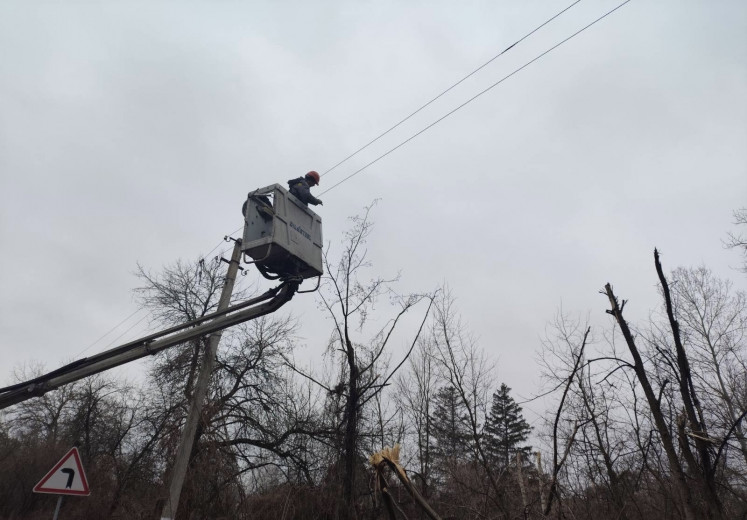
<point>448,425</point>
<point>506,428</point>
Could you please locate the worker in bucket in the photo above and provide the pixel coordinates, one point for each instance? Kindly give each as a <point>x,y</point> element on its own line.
<point>301,188</point>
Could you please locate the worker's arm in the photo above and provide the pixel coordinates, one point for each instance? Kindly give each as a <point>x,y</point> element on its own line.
<point>302,191</point>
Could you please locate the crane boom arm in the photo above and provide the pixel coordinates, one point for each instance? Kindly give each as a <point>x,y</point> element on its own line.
<point>264,304</point>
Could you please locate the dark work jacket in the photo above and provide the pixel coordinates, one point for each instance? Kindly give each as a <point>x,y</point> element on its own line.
<point>300,189</point>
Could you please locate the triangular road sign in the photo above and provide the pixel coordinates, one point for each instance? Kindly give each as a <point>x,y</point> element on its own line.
<point>65,478</point>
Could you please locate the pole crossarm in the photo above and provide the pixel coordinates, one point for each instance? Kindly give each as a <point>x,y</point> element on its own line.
<point>273,299</point>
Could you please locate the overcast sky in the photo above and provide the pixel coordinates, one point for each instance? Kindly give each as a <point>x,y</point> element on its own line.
<point>131,132</point>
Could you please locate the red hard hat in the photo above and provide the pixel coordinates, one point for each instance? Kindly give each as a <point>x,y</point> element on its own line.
<point>314,176</point>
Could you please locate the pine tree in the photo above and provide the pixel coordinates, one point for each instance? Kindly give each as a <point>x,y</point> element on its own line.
<point>506,428</point>
<point>449,426</point>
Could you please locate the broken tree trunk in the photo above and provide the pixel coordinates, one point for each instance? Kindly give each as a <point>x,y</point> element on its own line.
<point>390,458</point>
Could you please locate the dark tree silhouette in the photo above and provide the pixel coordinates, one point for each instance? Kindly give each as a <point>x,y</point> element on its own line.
<point>506,429</point>
<point>450,429</point>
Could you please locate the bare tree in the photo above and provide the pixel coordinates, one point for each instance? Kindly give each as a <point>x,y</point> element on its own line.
<point>262,417</point>
<point>42,416</point>
<point>699,463</point>
<point>254,417</point>
<point>713,318</point>
<point>363,365</point>
<point>566,348</point>
<point>737,240</point>
<point>464,368</point>
<point>416,391</point>
<point>179,293</point>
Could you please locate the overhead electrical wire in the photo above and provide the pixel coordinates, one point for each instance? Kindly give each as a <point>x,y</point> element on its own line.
<point>128,317</point>
<point>135,312</point>
<point>491,60</point>
<point>107,333</point>
<point>221,253</point>
<point>434,123</point>
<point>128,330</point>
<point>216,247</point>
<point>138,322</point>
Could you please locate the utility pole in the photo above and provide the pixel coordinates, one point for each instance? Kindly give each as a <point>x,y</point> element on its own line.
<point>198,397</point>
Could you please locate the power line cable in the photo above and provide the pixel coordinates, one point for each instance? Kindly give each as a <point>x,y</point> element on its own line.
<point>223,252</point>
<point>216,247</point>
<point>130,316</point>
<point>476,96</point>
<point>491,60</point>
<point>107,333</point>
<point>147,315</point>
<point>133,314</point>
<point>128,330</point>
<point>236,231</point>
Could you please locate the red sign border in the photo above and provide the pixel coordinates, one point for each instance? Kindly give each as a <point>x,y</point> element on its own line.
<point>38,488</point>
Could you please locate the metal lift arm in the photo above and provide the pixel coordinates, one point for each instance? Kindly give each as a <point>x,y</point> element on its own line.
<point>149,345</point>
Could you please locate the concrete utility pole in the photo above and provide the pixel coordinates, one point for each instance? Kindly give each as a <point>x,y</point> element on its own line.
<point>198,397</point>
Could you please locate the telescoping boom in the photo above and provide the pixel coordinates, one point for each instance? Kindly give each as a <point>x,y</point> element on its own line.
<point>282,237</point>
<point>266,303</point>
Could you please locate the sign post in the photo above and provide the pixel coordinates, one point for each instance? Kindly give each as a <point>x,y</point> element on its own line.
<point>65,478</point>
<point>57,509</point>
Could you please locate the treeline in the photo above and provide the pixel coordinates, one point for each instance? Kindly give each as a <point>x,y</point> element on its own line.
<point>645,421</point>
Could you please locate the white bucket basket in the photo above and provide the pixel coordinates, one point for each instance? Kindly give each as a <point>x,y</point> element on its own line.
<point>283,242</point>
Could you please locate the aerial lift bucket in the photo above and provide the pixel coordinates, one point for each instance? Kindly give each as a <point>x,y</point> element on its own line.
<point>282,236</point>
